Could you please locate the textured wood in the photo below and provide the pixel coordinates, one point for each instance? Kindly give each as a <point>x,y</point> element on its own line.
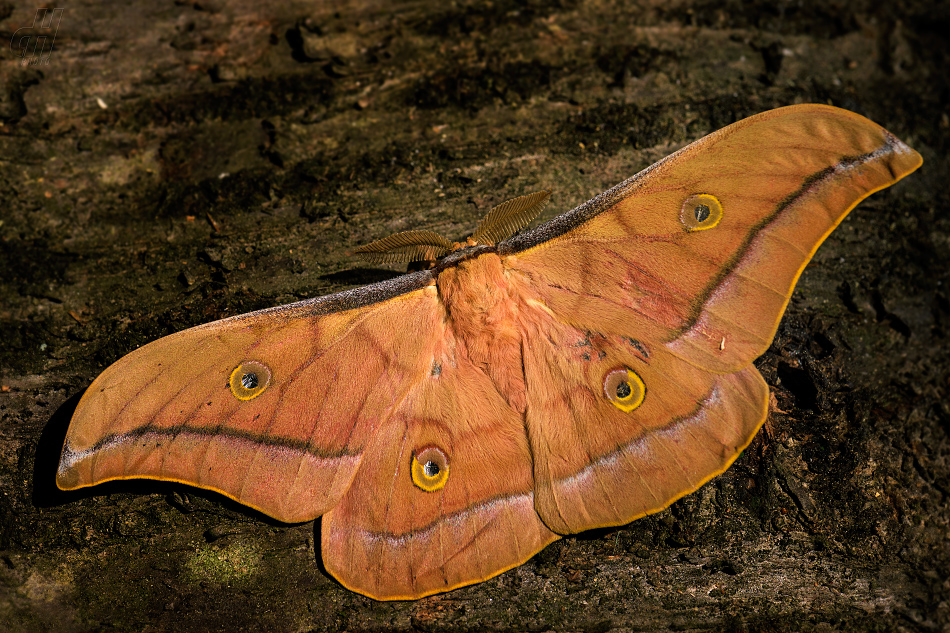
<point>836,517</point>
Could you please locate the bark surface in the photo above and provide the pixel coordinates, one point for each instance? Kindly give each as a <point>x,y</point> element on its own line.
<point>173,163</point>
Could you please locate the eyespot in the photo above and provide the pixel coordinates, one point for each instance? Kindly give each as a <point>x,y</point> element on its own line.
<point>701,212</point>
<point>430,468</point>
<point>625,389</point>
<point>249,380</point>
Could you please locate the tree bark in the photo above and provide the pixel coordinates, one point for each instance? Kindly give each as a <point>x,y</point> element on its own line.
<point>173,163</point>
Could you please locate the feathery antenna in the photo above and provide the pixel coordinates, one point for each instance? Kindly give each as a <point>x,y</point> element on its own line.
<point>408,246</point>
<point>510,217</point>
<point>500,223</point>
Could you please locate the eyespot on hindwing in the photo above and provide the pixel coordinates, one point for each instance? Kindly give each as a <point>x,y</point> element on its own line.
<point>625,389</point>
<point>430,468</point>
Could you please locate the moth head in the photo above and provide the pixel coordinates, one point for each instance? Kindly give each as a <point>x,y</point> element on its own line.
<point>700,212</point>
<point>430,468</point>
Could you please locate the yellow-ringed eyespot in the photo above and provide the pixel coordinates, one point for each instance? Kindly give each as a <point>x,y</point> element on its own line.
<point>249,379</point>
<point>430,468</point>
<point>625,389</point>
<point>701,212</point>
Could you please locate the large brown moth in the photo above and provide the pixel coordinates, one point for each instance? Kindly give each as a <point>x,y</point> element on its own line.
<point>450,423</point>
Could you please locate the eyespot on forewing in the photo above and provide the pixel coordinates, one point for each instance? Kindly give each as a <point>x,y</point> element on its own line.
<point>701,212</point>
<point>249,379</point>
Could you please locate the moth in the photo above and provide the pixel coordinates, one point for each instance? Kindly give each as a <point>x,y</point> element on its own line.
<point>452,422</point>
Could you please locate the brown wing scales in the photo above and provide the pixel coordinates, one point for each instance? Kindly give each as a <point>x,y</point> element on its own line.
<point>580,374</point>
<point>166,411</point>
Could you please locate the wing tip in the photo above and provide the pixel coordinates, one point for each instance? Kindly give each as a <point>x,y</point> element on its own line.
<point>67,475</point>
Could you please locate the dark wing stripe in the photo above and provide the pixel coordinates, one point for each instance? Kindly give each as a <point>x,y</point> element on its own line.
<point>71,457</point>
<point>809,184</point>
<point>424,531</point>
<point>638,443</point>
<point>602,202</point>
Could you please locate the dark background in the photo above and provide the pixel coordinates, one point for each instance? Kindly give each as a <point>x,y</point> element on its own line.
<point>178,162</point>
